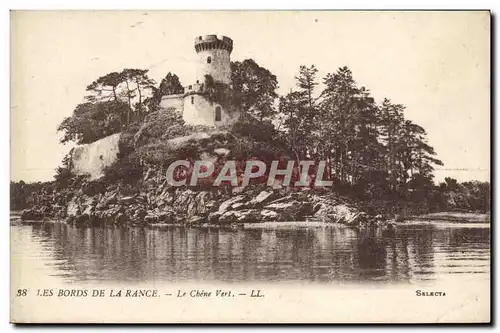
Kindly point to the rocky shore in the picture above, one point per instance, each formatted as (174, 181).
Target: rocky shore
(98, 203)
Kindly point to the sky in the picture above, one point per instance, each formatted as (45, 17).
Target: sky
(435, 63)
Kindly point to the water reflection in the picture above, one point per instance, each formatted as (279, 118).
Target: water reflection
(322, 254)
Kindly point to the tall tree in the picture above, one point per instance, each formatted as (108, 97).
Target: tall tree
(255, 88)
(409, 156)
(293, 107)
(137, 85)
(169, 85)
(349, 134)
(339, 118)
(298, 110)
(307, 82)
(105, 87)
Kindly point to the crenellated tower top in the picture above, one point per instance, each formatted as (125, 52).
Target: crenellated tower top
(213, 42)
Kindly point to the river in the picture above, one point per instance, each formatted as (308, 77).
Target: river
(412, 253)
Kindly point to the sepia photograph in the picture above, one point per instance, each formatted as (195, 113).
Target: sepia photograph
(250, 166)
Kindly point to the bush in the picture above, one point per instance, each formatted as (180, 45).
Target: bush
(161, 126)
(94, 187)
(127, 170)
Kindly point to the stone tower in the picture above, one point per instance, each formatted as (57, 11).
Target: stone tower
(214, 57)
(214, 60)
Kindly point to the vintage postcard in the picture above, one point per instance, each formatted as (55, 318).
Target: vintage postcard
(250, 167)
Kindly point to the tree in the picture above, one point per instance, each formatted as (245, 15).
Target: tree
(293, 107)
(105, 87)
(137, 84)
(93, 121)
(409, 156)
(349, 133)
(391, 120)
(255, 88)
(64, 173)
(338, 117)
(128, 85)
(307, 82)
(298, 111)
(169, 85)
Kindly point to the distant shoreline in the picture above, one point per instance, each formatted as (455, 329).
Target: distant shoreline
(453, 217)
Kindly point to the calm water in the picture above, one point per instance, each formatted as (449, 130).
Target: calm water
(336, 254)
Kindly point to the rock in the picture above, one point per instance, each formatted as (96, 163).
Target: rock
(200, 203)
(31, 214)
(282, 205)
(288, 198)
(227, 204)
(269, 215)
(165, 198)
(338, 213)
(238, 205)
(159, 217)
(126, 200)
(193, 220)
(72, 209)
(213, 217)
(226, 217)
(293, 210)
(240, 216)
(261, 198)
(108, 198)
(182, 200)
(88, 209)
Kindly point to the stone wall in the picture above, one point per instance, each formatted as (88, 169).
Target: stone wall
(199, 111)
(172, 102)
(92, 158)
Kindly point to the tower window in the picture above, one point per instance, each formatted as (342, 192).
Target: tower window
(192, 99)
(218, 113)
(209, 60)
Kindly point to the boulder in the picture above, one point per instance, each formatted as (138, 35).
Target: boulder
(239, 205)
(228, 203)
(213, 217)
(293, 210)
(195, 220)
(269, 215)
(261, 198)
(241, 216)
(337, 213)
